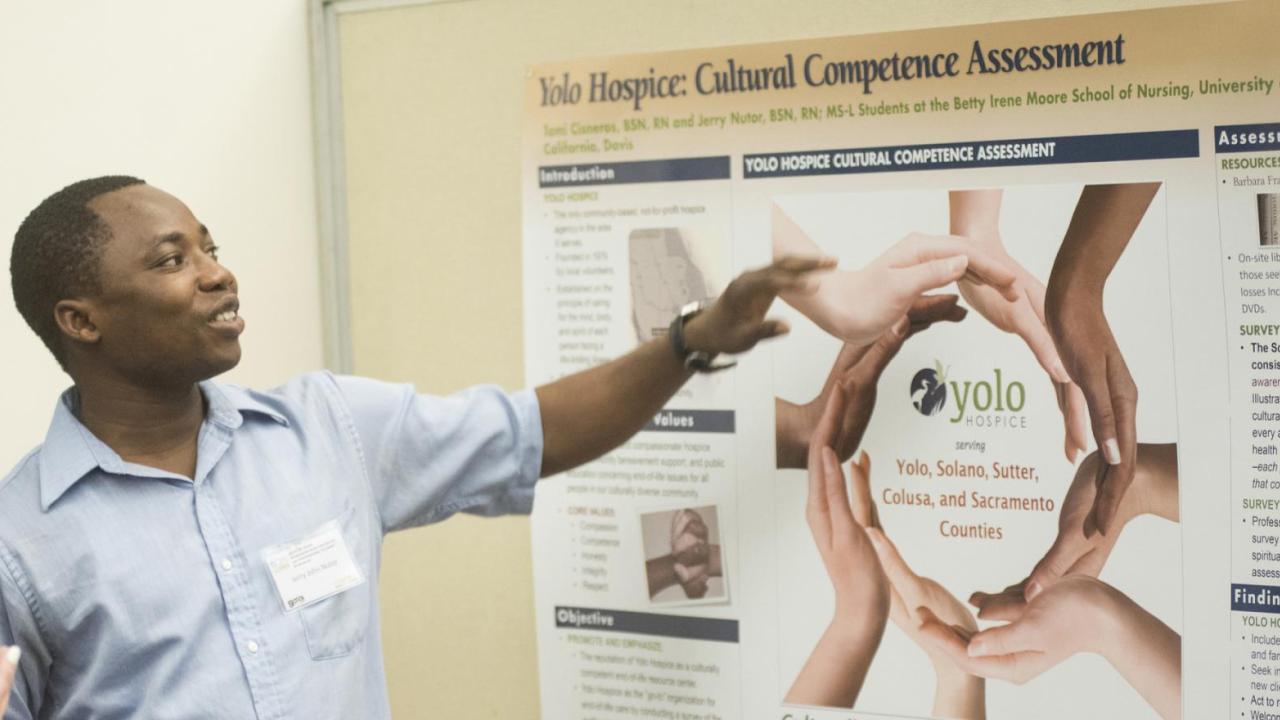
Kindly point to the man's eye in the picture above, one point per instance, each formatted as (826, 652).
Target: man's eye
(213, 252)
(171, 261)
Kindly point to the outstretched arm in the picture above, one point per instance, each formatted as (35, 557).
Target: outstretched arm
(1078, 614)
(1148, 655)
(589, 413)
(1079, 549)
(834, 673)
(858, 305)
(957, 693)
(858, 370)
(975, 215)
(1105, 218)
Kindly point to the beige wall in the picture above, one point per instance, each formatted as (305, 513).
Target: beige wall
(431, 106)
(209, 101)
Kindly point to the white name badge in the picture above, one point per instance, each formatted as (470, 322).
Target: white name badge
(312, 568)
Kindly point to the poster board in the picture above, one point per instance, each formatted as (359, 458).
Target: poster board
(411, 154)
(651, 180)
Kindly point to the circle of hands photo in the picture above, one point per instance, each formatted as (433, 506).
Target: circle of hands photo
(1060, 608)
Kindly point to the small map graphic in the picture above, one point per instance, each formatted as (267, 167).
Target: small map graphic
(663, 278)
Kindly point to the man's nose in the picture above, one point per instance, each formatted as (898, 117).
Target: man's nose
(215, 276)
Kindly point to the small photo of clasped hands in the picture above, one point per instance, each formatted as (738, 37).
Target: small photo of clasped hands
(1054, 638)
(684, 558)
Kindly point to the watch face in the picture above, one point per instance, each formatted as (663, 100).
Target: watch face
(697, 360)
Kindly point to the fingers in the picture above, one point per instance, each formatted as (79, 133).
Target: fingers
(681, 520)
(1075, 415)
(690, 573)
(981, 263)
(876, 357)
(1119, 475)
(842, 522)
(900, 575)
(789, 274)
(1036, 335)
(863, 505)
(8, 669)
(690, 550)
(771, 329)
(864, 464)
(824, 435)
(952, 640)
(696, 588)
(928, 309)
(1090, 524)
(1097, 396)
(1003, 640)
(688, 537)
(1062, 555)
(827, 431)
(816, 508)
(991, 271)
(698, 528)
(1035, 292)
(930, 275)
(800, 264)
(848, 357)
(898, 610)
(1006, 605)
(1090, 563)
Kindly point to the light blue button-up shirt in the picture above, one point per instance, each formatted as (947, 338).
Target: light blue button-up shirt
(137, 593)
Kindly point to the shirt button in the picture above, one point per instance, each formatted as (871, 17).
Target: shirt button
(226, 564)
(253, 646)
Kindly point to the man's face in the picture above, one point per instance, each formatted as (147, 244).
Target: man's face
(168, 312)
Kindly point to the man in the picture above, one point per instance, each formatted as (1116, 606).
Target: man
(178, 548)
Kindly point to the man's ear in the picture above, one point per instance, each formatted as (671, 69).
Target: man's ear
(75, 320)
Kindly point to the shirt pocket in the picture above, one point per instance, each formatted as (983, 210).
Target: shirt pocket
(337, 625)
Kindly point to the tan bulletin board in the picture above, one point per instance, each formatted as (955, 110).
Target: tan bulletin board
(418, 151)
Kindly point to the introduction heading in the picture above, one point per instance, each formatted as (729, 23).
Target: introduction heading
(816, 70)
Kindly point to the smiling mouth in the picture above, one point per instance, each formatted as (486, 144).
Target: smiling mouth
(228, 322)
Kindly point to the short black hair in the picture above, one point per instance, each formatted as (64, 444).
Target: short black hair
(57, 252)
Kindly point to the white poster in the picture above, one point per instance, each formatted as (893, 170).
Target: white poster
(1106, 189)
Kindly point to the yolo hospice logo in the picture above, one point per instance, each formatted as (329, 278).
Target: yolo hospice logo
(981, 403)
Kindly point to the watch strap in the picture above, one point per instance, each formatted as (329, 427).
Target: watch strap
(696, 360)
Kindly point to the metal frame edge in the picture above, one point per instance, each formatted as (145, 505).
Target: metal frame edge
(331, 192)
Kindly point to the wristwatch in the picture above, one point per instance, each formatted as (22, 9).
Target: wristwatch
(696, 360)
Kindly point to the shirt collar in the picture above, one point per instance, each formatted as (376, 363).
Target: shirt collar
(70, 451)
(229, 403)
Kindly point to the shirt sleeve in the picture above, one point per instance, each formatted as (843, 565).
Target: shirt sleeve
(427, 457)
(18, 627)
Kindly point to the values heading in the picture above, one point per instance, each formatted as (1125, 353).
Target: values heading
(817, 70)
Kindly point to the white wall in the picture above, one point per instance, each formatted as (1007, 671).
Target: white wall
(207, 100)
